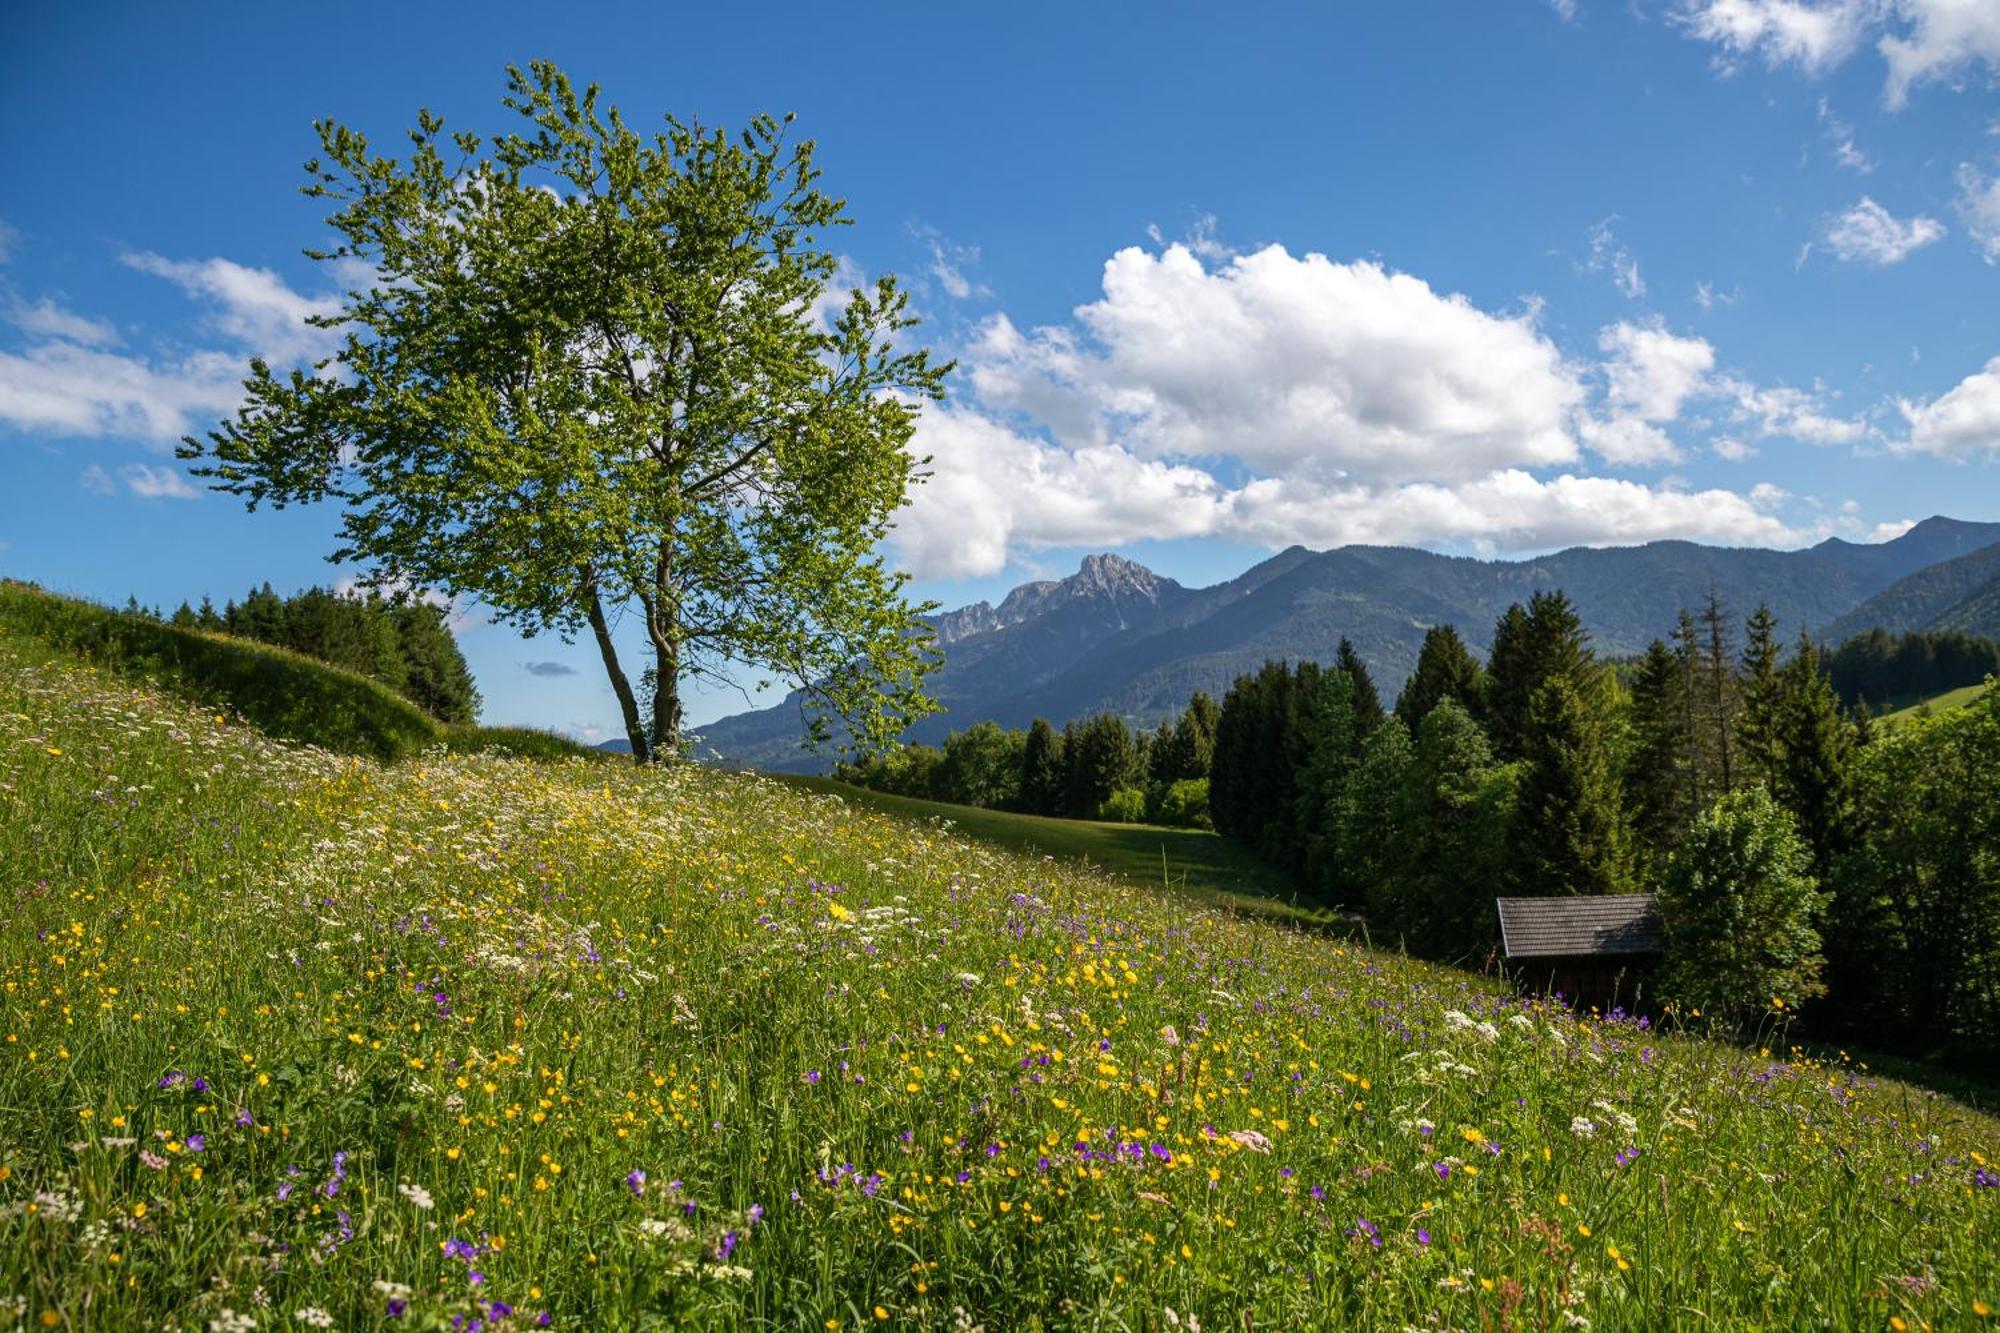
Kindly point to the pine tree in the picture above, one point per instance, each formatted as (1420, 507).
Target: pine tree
(1719, 688)
(184, 616)
(1511, 681)
(1191, 750)
(1042, 778)
(1568, 832)
(1445, 670)
(206, 617)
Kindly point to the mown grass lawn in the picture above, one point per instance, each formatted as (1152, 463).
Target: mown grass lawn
(1192, 861)
(291, 1039)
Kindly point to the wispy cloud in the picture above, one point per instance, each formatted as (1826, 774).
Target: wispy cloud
(548, 669)
(1868, 233)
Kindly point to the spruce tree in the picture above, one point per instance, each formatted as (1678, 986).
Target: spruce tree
(1816, 756)
(1042, 779)
(1328, 718)
(1568, 832)
(1368, 712)
(1532, 647)
(1445, 670)
(1655, 781)
(1511, 681)
(1452, 834)
(1369, 822)
(1757, 720)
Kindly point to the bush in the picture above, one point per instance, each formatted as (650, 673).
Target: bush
(1184, 804)
(1127, 805)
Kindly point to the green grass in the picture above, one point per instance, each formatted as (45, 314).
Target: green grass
(282, 693)
(1202, 864)
(1940, 703)
(288, 1036)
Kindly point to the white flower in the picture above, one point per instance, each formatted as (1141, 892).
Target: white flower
(1582, 1128)
(229, 1321)
(395, 1291)
(314, 1317)
(416, 1194)
(968, 979)
(1457, 1020)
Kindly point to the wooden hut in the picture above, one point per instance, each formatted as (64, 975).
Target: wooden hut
(1591, 950)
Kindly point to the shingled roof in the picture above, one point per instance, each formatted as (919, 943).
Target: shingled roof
(1598, 926)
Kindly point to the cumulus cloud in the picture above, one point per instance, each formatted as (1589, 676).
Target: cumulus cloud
(1979, 209)
(1868, 233)
(1962, 423)
(1290, 363)
(1918, 40)
(1269, 399)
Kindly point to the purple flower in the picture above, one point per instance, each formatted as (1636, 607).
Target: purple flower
(636, 1182)
(727, 1247)
(1423, 1237)
(396, 1307)
(173, 1078)
(1986, 1180)
(1364, 1228)
(756, 1213)
(197, 1142)
(1319, 1191)
(1443, 1169)
(244, 1119)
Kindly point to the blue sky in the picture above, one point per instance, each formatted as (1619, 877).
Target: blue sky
(1493, 277)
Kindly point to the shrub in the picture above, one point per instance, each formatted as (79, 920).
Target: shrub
(1184, 804)
(1126, 805)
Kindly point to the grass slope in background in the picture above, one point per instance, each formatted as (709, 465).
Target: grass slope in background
(1940, 703)
(282, 693)
(293, 1040)
(1206, 865)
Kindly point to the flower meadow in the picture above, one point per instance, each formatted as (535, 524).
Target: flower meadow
(297, 1040)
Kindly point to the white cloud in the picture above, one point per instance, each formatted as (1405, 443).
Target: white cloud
(1565, 9)
(1945, 37)
(1799, 414)
(1289, 364)
(949, 262)
(97, 481)
(460, 615)
(60, 388)
(9, 238)
(1919, 40)
(1813, 36)
(1841, 135)
(256, 308)
(1707, 297)
(157, 483)
(1652, 372)
(1608, 255)
(1889, 531)
(1979, 209)
(1732, 450)
(1961, 423)
(1868, 233)
(66, 381)
(46, 319)
(1270, 399)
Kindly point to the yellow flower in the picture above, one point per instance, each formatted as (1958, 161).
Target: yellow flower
(1982, 1309)
(1583, 1230)
(838, 911)
(880, 1313)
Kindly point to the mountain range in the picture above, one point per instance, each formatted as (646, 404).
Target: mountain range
(1116, 636)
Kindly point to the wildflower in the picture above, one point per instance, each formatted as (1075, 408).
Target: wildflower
(1423, 1237)
(314, 1317)
(1582, 1127)
(416, 1194)
(636, 1182)
(197, 1142)
(152, 1159)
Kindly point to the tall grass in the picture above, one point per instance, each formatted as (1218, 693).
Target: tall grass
(291, 1040)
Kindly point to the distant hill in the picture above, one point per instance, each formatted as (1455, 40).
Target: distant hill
(1116, 636)
(1932, 598)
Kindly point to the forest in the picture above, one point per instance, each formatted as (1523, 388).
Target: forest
(406, 644)
(1802, 854)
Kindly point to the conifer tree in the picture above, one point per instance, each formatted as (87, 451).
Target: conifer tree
(1451, 837)
(1815, 746)
(1445, 670)
(1042, 778)
(1370, 819)
(1757, 720)
(1655, 783)
(1532, 647)
(1568, 832)
(1367, 702)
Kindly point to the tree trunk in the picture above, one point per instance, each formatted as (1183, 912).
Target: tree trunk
(666, 653)
(628, 703)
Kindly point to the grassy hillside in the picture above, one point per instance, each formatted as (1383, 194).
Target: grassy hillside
(282, 693)
(293, 1039)
(1204, 865)
(1937, 704)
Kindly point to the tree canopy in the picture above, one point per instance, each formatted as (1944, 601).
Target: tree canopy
(593, 373)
